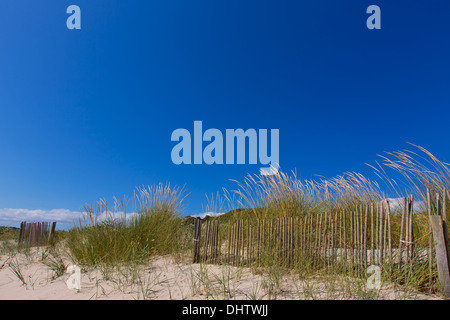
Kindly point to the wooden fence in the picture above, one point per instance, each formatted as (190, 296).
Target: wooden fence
(36, 233)
(361, 237)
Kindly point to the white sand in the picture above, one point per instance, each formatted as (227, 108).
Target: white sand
(165, 278)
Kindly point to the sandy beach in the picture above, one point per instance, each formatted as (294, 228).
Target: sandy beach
(169, 278)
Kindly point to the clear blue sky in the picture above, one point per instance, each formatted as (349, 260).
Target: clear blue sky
(89, 113)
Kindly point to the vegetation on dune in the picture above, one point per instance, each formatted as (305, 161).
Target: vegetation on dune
(284, 195)
(9, 233)
(106, 236)
(114, 235)
(156, 228)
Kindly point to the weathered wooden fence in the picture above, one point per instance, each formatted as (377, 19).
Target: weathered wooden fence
(361, 237)
(439, 232)
(36, 233)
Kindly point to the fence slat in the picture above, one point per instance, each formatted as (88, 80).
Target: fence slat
(35, 233)
(441, 254)
(359, 235)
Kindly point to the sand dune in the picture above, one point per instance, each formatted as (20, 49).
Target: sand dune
(165, 278)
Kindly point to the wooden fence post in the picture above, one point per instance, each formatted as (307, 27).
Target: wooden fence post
(197, 236)
(444, 222)
(430, 240)
(22, 231)
(388, 214)
(441, 254)
(52, 231)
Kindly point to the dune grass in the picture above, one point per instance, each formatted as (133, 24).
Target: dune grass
(111, 236)
(8, 233)
(284, 195)
(114, 235)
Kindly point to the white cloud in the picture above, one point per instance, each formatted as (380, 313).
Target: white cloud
(205, 214)
(396, 205)
(66, 217)
(30, 215)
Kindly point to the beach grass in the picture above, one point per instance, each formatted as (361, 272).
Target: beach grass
(122, 237)
(155, 228)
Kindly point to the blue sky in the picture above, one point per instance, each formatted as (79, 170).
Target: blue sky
(87, 114)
